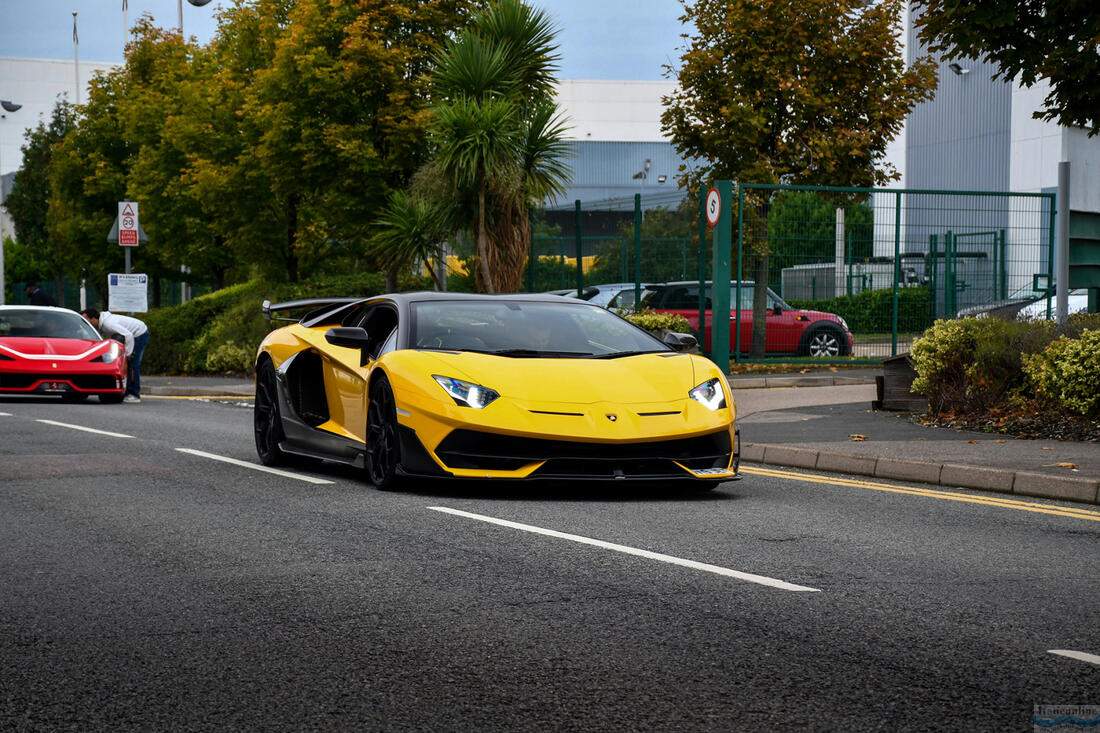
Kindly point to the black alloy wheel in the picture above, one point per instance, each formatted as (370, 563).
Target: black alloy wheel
(383, 448)
(268, 425)
(73, 397)
(825, 342)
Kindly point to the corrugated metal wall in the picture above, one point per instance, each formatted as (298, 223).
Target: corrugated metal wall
(605, 170)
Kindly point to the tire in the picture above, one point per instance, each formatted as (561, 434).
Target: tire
(383, 448)
(266, 420)
(111, 399)
(74, 397)
(825, 341)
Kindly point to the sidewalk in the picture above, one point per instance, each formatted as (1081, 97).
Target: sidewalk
(824, 421)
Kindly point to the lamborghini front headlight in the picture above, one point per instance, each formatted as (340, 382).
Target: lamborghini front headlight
(466, 394)
(709, 394)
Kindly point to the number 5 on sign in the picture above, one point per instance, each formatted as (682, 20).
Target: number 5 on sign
(714, 206)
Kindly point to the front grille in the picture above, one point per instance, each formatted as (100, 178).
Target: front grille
(80, 381)
(472, 449)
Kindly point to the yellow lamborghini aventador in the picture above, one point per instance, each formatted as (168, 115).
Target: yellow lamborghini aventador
(491, 387)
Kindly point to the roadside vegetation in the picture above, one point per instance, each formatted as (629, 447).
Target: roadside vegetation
(1024, 378)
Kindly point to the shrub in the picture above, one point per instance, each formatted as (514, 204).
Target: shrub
(1066, 373)
(872, 311)
(654, 322)
(229, 357)
(972, 364)
(221, 331)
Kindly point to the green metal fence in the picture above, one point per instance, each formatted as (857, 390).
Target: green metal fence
(891, 261)
(882, 264)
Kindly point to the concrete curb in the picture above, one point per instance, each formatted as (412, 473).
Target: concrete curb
(1019, 483)
(795, 380)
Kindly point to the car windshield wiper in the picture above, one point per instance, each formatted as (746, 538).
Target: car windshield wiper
(537, 354)
(618, 354)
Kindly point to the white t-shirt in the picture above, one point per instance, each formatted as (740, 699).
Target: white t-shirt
(125, 326)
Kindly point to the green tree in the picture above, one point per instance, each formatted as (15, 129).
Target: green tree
(411, 229)
(806, 92)
(339, 115)
(1052, 40)
(36, 253)
(87, 175)
(498, 137)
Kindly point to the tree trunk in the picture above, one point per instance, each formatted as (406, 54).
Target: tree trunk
(760, 307)
(483, 242)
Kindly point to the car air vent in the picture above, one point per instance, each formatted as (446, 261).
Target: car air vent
(548, 412)
(655, 414)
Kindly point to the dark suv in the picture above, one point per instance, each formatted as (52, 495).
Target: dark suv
(789, 330)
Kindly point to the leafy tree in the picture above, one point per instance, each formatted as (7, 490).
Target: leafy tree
(498, 137)
(806, 92)
(802, 230)
(87, 174)
(339, 114)
(37, 253)
(1051, 40)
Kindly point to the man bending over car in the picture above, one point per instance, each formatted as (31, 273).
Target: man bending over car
(134, 334)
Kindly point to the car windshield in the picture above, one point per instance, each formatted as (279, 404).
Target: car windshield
(33, 323)
(527, 329)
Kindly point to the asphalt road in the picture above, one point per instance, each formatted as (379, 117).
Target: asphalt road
(144, 587)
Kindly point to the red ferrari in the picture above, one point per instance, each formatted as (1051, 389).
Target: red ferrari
(54, 351)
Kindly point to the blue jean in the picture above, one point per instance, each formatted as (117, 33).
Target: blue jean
(133, 382)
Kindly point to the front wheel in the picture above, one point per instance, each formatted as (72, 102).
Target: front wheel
(267, 423)
(383, 448)
(825, 342)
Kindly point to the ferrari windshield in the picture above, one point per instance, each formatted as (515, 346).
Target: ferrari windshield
(527, 329)
(36, 323)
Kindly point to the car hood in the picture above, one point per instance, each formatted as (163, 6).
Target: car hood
(48, 347)
(645, 378)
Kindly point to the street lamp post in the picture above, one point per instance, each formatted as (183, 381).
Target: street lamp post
(7, 107)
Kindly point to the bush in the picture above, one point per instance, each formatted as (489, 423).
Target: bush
(654, 322)
(221, 331)
(971, 364)
(872, 311)
(1066, 373)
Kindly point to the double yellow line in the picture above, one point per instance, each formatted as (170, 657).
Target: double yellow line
(995, 501)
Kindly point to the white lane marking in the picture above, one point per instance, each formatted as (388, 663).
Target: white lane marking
(761, 579)
(1082, 656)
(5, 414)
(254, 466)
(86, 430)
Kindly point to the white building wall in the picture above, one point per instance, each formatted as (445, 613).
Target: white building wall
(36, 84)
(622, 111)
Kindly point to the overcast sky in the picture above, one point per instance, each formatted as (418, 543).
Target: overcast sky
(599, 39)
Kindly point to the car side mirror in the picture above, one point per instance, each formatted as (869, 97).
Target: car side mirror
(350, 338)
(777, 310)
(679, 341)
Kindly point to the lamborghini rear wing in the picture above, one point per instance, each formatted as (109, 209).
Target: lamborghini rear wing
(311, 305)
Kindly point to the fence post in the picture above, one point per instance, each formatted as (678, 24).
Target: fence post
(580, 248)
(637, 250)
(1061, 279)
(701, 335)
(933, 272)
(897, 273)
(949, 274)
(530, 254)
(838, 260)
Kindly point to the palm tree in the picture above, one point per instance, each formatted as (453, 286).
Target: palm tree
(499, 139)
(410, 229)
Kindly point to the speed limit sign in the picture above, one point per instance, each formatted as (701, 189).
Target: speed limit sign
(714, 206)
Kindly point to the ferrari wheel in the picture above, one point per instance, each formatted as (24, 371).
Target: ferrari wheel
(111, 399)
(383, 449)
(267, 423)
(74, 397)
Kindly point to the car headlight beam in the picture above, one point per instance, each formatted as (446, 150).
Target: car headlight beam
(466, 394)
(709, 394)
